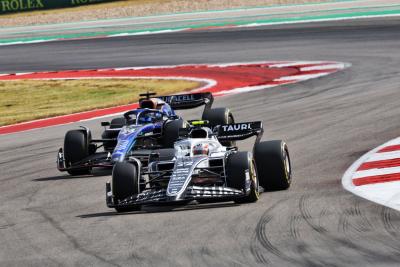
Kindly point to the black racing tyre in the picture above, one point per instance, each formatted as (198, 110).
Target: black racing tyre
(109, 145)
(117, 123)
(125, 183)
(171, 132)
(107, 134)
(239, 166)
(163, 154)
(76, 148)
(273, 165)
(218, 116)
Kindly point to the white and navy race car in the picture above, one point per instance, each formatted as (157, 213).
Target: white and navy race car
(199, 168)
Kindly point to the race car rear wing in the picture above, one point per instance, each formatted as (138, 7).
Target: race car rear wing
(188, 101)
(239, 131)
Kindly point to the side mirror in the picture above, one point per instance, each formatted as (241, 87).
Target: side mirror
(105, 123)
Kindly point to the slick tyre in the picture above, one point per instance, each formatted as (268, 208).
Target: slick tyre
(218, 116)
(76, 148)
(162, 154)
(109, 145)
(171, 132)
(125, 183)
(242, 175)
(117, 123)
(273, 165)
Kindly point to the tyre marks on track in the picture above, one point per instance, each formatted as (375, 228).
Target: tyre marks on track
(294, 226)
(390, 219)
(352, 219)
(261, 245)
(69, 238)
(333, 232)
(387, 215)
(306, 215)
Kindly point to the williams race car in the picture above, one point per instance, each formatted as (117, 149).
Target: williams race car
(152, 126)
(201, 169)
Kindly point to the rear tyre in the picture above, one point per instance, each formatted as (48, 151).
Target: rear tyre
(242, 175)
(109, 145)
(76, 148)
(125, 183)
(171, 132)
(218, 116)
(273, 165)
(163, 154)
(117, 123)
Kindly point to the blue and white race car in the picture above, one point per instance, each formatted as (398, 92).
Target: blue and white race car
(152, 126)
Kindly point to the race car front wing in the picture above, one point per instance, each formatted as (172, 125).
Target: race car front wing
(148, 197)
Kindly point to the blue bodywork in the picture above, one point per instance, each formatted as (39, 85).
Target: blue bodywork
(146, 122)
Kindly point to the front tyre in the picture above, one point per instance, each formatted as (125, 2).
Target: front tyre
(125, 183)
(241, 174)
(76, 148)
(273, 165)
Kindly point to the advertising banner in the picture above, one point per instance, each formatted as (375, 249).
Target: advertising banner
(10, 6)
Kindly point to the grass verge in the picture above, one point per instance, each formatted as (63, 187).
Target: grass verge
(27, 100)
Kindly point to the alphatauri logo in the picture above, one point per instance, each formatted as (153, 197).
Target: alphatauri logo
(236, 127)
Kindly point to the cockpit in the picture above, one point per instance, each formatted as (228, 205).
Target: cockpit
(200, 133)
(143, 116)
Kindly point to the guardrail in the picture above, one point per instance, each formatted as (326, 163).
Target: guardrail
(12, 6)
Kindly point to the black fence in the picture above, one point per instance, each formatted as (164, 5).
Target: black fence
(11, 6)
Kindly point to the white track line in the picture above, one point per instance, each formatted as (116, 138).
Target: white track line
(384, 156)
(302, 77)
(375, 172)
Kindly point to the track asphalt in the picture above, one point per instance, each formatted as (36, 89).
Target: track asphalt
(48, 218)
(244, 17)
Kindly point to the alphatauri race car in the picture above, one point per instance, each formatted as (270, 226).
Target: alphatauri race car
(201, 169)
(153, 125)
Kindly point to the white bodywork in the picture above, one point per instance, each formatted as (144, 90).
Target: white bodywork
(186, 148)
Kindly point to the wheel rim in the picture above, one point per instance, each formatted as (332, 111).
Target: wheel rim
(254, 178)
(288, 167)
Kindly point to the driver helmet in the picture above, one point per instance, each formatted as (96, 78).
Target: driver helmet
(200, 149)
(149, 117)
(145, 119)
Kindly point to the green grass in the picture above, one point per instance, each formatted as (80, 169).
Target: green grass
(27, 100)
